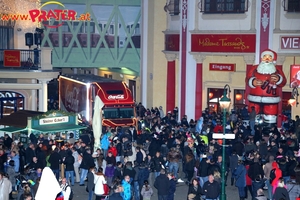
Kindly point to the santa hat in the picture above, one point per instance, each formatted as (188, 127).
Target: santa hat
(271, 53)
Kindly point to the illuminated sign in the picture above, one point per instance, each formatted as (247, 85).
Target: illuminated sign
(223, 43)
(54, 120)
(40, 15)
(119, 96)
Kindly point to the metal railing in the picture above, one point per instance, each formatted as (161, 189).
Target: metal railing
(29, 59)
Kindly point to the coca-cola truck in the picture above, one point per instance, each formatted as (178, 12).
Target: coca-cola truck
(77, 94)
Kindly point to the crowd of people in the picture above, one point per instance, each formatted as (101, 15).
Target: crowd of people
(171, 149)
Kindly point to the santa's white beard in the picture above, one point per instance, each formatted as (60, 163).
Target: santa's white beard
(266, 68)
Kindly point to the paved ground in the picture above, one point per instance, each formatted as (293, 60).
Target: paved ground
(180, 194)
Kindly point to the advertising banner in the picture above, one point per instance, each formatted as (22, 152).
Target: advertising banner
(12, 58)
(172, 42)
(295, 76)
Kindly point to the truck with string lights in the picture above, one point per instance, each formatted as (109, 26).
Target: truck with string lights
(77, 93)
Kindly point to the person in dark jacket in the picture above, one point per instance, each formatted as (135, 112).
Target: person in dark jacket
(118, 173)
(240, 179)
(172, 187)
(211, 188)
(86, 163)
(203, 169)
(233, 164)
(259, 183)
(90, 183)
(255, 169)
(281, 192)
(29, 153)
(158, 161)
(162, 184)
(116, 195)
(69, 163)
(194, 190)
(189, 165)
(54, 161)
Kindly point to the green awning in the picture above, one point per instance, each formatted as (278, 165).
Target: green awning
(12, 129)
(58, 128)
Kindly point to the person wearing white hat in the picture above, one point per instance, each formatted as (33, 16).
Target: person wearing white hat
(264, 81)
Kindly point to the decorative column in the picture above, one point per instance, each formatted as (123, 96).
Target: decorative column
(249, 60)
(199, 86)
(183, 52)
(279, 63)
(43, 95)
(171, 81)
(33, 96)
(264, 25)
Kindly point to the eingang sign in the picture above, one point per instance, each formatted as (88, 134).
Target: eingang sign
(40, 15)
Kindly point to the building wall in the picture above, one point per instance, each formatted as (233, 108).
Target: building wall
(280, 22)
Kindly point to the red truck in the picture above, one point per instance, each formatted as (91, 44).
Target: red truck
(77, 94)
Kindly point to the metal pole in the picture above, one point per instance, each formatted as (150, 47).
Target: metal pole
(223, 195)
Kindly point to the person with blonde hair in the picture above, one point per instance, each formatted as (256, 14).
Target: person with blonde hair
(281, 191)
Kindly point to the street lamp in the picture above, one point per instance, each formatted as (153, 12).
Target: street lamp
(294, 98)
(224, 104)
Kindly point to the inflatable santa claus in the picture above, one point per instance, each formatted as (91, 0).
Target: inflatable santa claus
(264, 81)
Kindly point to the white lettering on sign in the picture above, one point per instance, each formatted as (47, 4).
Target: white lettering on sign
(72, 98)
(54, 120)
(119, 96)
(290, 42)
(221, 67)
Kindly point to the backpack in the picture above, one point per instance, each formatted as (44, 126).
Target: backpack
(272, 175)
(71, 193)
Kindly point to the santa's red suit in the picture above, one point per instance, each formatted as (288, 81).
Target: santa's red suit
(265, 96)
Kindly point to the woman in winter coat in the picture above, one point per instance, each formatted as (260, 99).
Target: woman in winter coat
(240, 179)
(189, 165)
(195, 189)
(99, 180)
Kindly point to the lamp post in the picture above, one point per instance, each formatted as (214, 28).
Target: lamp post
(224, 104)
(294, 98)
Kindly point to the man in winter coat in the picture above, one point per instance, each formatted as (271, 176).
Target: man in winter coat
(173, 157)
(211, 188)
(86, 164)
(162, 185)
(240, 179)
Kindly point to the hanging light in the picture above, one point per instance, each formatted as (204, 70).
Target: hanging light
(238, 96)
(211, 95)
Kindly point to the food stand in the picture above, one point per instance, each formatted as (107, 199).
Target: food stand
(51, 122)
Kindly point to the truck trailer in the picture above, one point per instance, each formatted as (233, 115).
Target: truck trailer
(77, 93)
